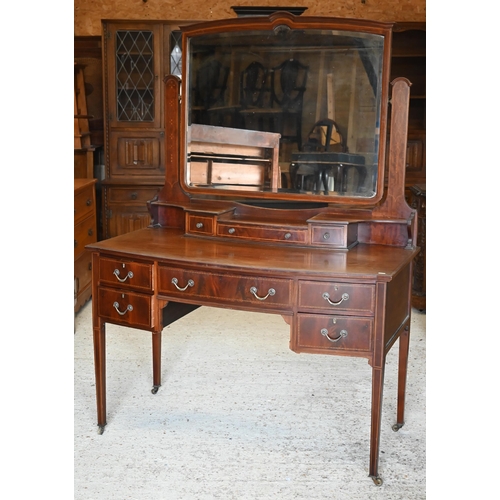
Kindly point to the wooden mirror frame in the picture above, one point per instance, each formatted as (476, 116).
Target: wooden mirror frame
(275, 22)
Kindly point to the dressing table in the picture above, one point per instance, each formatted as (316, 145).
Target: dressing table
(337, 267)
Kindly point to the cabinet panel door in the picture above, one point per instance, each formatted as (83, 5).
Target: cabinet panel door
(126, 208)
(133, 78)
(136, 153)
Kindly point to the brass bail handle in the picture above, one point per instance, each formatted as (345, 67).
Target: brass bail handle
(342, 334)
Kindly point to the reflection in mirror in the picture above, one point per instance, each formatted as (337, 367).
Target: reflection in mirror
(284, 111)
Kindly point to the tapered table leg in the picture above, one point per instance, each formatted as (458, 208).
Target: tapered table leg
(377, 392)
(156, 342)
(404, 347)
(100, 371)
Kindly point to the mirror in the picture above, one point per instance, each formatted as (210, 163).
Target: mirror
(285, 110)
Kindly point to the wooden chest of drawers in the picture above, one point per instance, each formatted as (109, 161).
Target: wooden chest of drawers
(85, 232)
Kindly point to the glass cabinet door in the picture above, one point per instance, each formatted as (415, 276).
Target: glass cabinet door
(134, 83)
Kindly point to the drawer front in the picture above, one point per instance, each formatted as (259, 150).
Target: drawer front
(200, 224)
(84, 204)
(224, 288)
(342, 297)
(85, 233)
(333, 236)
(83, 270)
(132, 195)
(284, 235)
(125, 274)
(333, 333)
(125, 308)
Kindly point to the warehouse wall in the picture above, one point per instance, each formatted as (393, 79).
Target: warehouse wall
(88, 13)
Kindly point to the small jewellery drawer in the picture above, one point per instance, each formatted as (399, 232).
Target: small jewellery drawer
(200, 224)
(225, 288)
(317, 331)
(125, 274)
(84, 234)
(262, 233)
(346, 297)
(125, 308)
(335, 236)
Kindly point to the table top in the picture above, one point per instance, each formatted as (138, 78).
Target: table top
(368, 262)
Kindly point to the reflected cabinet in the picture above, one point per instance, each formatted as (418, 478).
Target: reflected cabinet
(284, 154)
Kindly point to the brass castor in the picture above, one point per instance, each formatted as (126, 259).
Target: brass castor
(396, 427)
(155, 388)
(377, 480)
(100, 429)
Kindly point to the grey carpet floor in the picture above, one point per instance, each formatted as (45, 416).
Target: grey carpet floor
(240, 416)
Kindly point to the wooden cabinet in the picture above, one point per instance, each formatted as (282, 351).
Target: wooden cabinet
(416, 199)
(136, 58)
(409, 61)
(85, 232)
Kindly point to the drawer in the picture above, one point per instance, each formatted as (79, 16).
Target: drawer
(132, 194)
(200, 224)
(332, 333)
(85, 233)
(83, 270)
(125, 308)
(225, 288)
(125, 274)
(344, 297)
(262, 233)
(335, 236)
(84, 204)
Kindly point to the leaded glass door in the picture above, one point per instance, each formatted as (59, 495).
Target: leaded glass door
(135, 89)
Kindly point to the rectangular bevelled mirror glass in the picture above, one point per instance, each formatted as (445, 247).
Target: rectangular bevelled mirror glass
(293, 113)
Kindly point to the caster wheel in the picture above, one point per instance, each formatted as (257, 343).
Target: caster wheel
(396, 427)
(377, 480)
(155, 388)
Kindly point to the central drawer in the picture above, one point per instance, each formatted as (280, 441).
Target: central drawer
(225, 288)
(231, 229)
(344, 297)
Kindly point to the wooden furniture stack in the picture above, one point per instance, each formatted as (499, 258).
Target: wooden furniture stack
(84, 150)
(336, 267)
(85, 232)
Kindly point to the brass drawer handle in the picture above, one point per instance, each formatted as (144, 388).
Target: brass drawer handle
(342, 334)
(116, 272)
(117, 306)
(326, 296)
(175, 281)
(271, 292)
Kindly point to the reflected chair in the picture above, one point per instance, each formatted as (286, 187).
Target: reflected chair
(288, 84)
(272, 100)
(209, 100)
(325, 152)
(255, 97)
